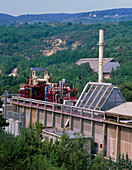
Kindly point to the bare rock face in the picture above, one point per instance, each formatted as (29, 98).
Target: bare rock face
(13, 73)
(55, 44)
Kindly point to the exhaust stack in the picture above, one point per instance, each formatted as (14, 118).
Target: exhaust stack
(101, 46)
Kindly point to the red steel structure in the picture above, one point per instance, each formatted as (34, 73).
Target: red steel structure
(42, 89)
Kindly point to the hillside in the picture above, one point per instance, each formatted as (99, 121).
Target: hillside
(105, 16)
(57, 46)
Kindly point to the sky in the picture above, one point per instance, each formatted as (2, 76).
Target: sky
(19, 7)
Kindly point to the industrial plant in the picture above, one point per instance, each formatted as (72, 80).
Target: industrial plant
(100, 113)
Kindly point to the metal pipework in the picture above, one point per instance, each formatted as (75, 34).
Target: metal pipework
(101, 46)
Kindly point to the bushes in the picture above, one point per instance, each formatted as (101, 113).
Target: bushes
(28, 152)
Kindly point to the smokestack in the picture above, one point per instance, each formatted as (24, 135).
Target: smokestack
(101, 46)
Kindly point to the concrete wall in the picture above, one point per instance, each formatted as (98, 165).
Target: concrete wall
(27, 116)
(111, 141)
(98, 135)
(126, 141)
(76, 124)
(11, 108)
(41, 116)
(34, 115)
(57, 120)
(87, 127)
(49, 118)
(110, 137)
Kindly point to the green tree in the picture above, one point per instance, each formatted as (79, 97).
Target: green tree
(3, 121)
(126, 90)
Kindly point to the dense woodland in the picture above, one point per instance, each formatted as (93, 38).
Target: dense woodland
(27, 46)
(27, 151)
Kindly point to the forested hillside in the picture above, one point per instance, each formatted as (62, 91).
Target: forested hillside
(57, 46)
(105, 16)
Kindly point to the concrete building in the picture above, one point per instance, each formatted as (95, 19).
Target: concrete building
(119, 132)
(16, 121)
(110, 131)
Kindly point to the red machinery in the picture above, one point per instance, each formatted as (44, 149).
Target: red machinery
(42, 89)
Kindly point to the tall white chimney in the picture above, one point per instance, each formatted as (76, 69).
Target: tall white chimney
(101, 46)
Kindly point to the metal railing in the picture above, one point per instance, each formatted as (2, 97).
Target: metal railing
(57, 107)
(61, 108)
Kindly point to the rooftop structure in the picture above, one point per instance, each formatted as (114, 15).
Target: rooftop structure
(58, 132)
(53, 134)
(108, 64)
(100, 96)
(124, 109)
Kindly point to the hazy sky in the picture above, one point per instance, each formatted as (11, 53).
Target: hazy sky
(18, 7)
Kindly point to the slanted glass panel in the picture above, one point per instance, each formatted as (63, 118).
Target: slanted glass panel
(104, 88)
(100, 96)
(97, 99)
(110, 88)
(93, 86)
(93, 97)
(103, 99)
(87, 95)
(99, 87)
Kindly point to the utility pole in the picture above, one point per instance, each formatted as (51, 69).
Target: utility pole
(5, 102)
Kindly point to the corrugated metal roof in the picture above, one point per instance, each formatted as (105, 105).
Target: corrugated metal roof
(124, 109)
(94, 62)
(109, 66)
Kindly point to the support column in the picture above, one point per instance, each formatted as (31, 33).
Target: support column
(38, 114)
(62, 121)
(37, 104)
(104, 138)
(92, 129)
(45, 119)
(71, 123)
(81, 125)
(92, 126)
(17, 108)
(24, 117)
(117, 141)
(31, 115)
(92, 133)
(61, 108)
(53, 119)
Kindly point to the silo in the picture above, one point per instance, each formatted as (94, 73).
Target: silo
(7, 127)
(13, 128)
(17, 127)
(10, 125)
